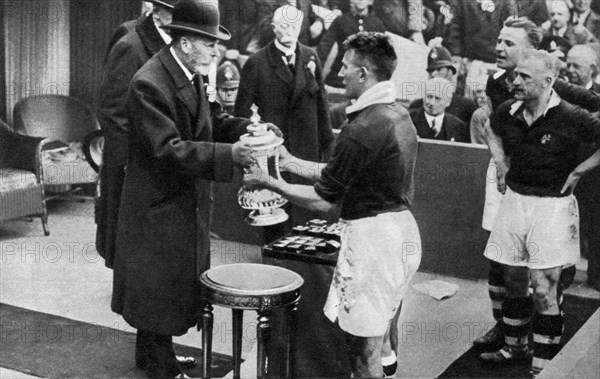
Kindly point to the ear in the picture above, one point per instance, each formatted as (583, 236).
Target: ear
(363, 74)
(184, 43)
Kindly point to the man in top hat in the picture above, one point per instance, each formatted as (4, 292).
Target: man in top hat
(124, 59)
(439, 65)
(176, 147)
(228, 82)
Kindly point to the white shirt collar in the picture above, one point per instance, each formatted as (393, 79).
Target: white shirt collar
(165, 36)
(187, 72)
(589, 85)
(554, 101)
(439, 120)
(498, 74)
(560, 32)
(287, 51)
(380, 93)
(583, 16)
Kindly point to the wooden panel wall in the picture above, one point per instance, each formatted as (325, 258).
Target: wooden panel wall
(92, 24)
(36, 48)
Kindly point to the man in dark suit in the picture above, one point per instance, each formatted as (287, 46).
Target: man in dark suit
(581, 65)
(575, 34)
(165, 211)
(583, 14)
(124, 59)
(284, 80)
(439, 65)
(432, 121)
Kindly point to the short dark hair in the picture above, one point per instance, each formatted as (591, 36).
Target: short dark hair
(534, 33)
(377, 49)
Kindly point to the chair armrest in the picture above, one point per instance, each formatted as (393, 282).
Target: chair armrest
(22, 152)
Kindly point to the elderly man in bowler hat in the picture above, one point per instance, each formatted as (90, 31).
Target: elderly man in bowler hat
(178, 144)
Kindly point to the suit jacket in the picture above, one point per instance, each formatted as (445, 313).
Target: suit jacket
(575, 34)
(119, 33)
(125, 58)
(592, 23)
(460, 107)
(164, 219)
(294, 102)
(473, 31)
(595, 87)
(453, 129)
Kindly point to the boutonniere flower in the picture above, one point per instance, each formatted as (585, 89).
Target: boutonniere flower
(312, 65)
(487, 5)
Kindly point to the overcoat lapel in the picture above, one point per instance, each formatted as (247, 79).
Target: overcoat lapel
(185, 89)
(281, 70)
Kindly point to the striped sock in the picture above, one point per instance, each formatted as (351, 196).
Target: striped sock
(547, 332)
(517, 316)
(496, 289)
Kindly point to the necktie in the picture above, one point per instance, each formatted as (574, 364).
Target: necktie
(196, 83)
(290, 62)
(433, 127)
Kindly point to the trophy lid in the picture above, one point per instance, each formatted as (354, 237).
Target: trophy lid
(258, 135)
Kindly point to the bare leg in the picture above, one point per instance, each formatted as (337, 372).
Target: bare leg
(365, 356)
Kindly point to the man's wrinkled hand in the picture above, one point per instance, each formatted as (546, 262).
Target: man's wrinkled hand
(275, 129)
(571, 182)
(242, 154)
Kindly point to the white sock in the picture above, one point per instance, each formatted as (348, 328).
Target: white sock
(389, 360)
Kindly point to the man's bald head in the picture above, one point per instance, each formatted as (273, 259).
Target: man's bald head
(582, 64)
(287, 22)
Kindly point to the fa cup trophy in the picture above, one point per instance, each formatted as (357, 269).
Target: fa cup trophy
(265, 204)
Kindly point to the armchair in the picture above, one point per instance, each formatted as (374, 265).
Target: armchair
(21, 184)
(66, 123)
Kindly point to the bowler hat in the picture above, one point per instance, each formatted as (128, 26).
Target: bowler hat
(439, 57)
(165, 3)
(198, 17)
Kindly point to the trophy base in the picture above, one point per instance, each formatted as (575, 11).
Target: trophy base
(266, 218)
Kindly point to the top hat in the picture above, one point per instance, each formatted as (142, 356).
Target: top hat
(439, 57)
(166, 3)
(198, 17)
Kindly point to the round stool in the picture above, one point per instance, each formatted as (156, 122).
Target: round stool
(257, 287)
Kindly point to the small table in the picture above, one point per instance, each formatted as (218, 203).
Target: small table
(248, 286)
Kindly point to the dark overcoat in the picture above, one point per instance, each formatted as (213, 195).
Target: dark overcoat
(164, 217)
(125, 58)
(295, 102)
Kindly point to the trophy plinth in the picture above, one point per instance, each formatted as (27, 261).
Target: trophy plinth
(265, 204)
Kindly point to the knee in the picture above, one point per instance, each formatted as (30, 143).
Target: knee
(543, 298)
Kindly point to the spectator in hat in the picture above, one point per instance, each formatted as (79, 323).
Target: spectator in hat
(431, 119)
(228, 82)
(178, 144)
(559, 25)
(439, 65)
(558, 47)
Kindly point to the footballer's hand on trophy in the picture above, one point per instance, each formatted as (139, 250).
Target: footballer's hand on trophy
(256, 177)
(274, 129)
(242, 154)
(285, 159)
